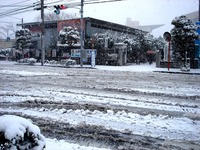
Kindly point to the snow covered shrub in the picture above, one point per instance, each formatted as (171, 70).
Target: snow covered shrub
(67, 62)
(183, 36)
(53, 62)
(23, 40)
(68, 36)
(30, 61)
(70, 62)
(17, 133)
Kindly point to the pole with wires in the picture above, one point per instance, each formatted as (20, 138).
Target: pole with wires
(82, 38)
(42, 33)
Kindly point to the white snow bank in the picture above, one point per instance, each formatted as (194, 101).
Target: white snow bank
(132, 68)
(161, 126)
(135, 68)
(26, 73)
(54, 144)
(141, 68)
(15, 128)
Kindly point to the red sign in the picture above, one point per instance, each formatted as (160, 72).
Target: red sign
(74, 23)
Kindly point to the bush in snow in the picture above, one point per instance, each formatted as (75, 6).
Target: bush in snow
(23, 40)
(70, 62)
(183, 37)
(68, 36)
(137, 45)
(30, 61)
(17, 133)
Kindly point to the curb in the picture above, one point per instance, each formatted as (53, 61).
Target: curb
(171, 72)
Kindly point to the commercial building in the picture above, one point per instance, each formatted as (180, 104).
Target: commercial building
(91, 26)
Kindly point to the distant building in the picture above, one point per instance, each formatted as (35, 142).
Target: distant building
(6, 48)
(6, 43)
(146, 28)
(91, 26)
(193, 16)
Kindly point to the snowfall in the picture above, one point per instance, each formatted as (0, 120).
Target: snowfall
(155, 90)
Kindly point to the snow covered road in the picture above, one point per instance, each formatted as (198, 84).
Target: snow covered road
(105, 109)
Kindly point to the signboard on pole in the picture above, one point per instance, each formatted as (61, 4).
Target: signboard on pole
(84, 55)
(92, 58)
(167, 37)
(76, 53)
(53, 52)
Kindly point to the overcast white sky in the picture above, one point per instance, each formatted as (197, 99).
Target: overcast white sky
(147, 12)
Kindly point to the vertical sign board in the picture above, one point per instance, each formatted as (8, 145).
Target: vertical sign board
(37, 53)
(77, 52)
(87, 53)
(53, 52)
(92, 58)
(13, 53)
(167, 37)
(84, 55)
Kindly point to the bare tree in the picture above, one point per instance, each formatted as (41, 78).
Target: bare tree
(8, 30)
(52, 16)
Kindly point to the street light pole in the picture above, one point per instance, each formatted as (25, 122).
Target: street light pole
(82, 38)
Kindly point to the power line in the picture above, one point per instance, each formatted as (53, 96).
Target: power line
(21, 8)
(18, 10)
(8, 22)
(15, 11)
(15, 4)
(76, 4)
(105, 1)
(17, 7)
(30, 7)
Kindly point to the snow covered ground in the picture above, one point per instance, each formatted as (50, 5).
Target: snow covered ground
(130, 102)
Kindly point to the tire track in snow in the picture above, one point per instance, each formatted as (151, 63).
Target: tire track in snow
(104, 101)
(99, 136)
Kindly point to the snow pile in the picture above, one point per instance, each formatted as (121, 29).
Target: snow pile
(19, 133)
(30, 61)
(54, 144)
(27, 73)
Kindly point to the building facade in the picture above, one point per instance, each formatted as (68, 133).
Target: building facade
(91, 26)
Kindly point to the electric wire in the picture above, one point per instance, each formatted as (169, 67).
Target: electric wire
(15, 11)
(17, 4)
(30, 7)
(75, 4)
(106, 1)
(18, 10)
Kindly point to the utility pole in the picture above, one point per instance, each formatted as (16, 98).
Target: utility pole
(82, 38)
(22, 23)
(42, 33)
